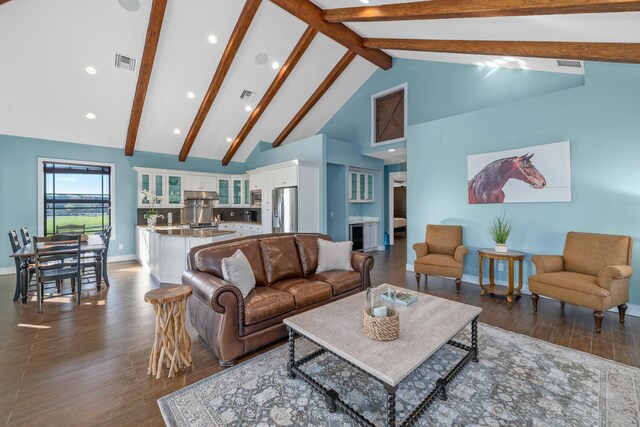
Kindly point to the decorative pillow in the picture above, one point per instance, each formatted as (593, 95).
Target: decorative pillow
(237, 271)
(334, 256)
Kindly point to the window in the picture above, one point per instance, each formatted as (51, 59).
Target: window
(75, 194)
(389, 115)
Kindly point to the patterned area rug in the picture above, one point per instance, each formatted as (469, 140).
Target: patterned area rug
(519, 381)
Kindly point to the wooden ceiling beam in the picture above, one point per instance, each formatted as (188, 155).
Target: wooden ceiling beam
(283, 74)
(313, 16)
(315, 97)
(237, 36)
(450, 9)
(144, 75)
(604, 52)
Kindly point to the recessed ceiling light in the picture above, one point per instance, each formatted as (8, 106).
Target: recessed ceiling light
(229, 139)
(510, 59)
(191, 95)
(391, 150)
(212, 39)
(275, 65)
(177, 131)
(364, 1)
(248, 108)
(91, 70)
(90, 116)
(500, 61)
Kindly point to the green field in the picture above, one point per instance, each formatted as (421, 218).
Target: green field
(92, 223)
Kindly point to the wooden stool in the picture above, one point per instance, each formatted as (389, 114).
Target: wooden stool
(172, 345)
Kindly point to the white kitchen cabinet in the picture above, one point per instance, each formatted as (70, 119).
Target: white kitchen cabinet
(361, 187)
(284, 177)
(258, 181)
(370, 236)
(209, 183)
(158, 184)
(174, 191)
(224, 192)
(246, 192)
(236, 192)
(200, 183)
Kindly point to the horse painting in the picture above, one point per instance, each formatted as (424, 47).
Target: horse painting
(486, 186)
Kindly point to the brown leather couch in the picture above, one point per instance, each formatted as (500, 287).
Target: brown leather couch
(284, 266)
(441, 254)
(593, 271)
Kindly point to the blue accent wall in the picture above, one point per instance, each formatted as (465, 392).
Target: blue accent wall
(437, 90)
(19, 190)
(601, 119)
(337, 222)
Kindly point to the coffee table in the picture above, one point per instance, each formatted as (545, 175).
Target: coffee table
(425, 326)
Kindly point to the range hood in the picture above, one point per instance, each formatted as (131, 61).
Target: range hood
(201, 195)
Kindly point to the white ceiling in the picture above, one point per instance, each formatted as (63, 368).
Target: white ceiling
(46, 45)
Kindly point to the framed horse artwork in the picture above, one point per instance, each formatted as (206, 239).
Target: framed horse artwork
(532, 174)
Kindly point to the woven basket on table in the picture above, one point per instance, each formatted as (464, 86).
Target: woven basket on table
(382, 328)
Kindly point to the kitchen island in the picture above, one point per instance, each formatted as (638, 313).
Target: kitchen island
(163, 250)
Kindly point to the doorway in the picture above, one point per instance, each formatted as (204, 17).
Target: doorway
(397, 206)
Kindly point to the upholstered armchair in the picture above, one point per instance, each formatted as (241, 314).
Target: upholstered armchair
(441, 254)
(593, 271)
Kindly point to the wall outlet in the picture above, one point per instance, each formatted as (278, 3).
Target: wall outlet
(231, 213)
(500, 266)
(120, 247)
(331, 214)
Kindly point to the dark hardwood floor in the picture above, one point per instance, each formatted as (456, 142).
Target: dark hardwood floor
(87, 365)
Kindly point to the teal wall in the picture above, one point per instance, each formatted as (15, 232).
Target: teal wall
(337, 223)
(602, 121)
(19, 190)
(437, 90)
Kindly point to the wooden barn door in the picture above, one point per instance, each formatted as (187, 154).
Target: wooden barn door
(390, 116)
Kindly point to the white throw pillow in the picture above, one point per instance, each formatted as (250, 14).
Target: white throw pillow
(237, 271)
(334, 256)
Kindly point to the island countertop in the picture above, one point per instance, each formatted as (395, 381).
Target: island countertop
(192, 232)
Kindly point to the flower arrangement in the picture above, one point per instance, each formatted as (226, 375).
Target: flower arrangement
(500, 231)
(152, 201)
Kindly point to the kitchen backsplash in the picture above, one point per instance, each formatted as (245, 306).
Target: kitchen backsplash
(228, 214)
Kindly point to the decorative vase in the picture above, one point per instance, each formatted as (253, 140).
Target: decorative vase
(151, 221)
(501, 247)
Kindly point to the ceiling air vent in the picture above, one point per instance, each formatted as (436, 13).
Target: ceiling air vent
(568, 63)
(246, 95)
(125, 62)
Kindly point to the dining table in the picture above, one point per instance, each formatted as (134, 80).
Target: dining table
(93, 245)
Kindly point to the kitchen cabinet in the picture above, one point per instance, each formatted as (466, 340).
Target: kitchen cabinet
(361, 187)
(370, 236)
(209, 183)
(175, 194)
(258, 181)
(167, 187)
(284, 177)
(236, 184)
(223, 192)
(246, 192)
(200, 183)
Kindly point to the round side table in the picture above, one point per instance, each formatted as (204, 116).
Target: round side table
(172, 344)
(512, 257)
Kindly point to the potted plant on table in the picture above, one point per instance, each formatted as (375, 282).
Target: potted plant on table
(500, 230)
(152, 200)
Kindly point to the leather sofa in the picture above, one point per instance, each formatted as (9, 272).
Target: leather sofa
(284, 266)
(593, 271)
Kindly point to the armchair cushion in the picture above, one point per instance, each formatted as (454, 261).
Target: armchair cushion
(421, 249)
(443, 239)
(577, 282)
(613, 272)
(548, 263)
(264, 303)
(439, 260)
(589, 253)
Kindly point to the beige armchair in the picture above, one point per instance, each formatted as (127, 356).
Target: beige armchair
(442, 253)
(593, 271)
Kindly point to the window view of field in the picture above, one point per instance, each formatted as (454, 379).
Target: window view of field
(77, 200)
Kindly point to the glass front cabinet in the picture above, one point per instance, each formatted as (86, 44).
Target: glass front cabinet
(174, 191)
(247, 192)
(223, 191)
(237, 192)
(361, 187)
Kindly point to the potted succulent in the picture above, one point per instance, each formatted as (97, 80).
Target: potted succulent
(151, 215)
(500, 230)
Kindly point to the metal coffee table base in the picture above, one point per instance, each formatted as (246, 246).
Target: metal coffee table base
(334, 402)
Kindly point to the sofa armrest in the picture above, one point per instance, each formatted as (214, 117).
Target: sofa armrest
(362, 263)
(461, 251)
(211, 290)
(548, 263)
(611, 273)
(421, 249)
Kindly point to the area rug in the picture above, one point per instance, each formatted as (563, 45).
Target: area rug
(519, 381)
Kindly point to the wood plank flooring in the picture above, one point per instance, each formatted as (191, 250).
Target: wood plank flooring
(87, 365)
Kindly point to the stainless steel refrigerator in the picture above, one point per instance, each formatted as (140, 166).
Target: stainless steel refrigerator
(285, 210)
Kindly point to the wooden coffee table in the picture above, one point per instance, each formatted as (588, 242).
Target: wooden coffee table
(425, 326)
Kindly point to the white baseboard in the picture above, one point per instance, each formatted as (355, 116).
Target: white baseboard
(120, 258)
(632, 309)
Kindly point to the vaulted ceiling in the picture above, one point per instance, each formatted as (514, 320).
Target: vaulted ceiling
(46, 45)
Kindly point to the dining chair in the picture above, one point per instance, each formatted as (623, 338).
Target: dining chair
(90, 261)
(57, 258)
(26, 236)
(106, 238)
(15, 247)
(71, 229)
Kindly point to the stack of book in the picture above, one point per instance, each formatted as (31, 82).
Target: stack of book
(399, 297)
